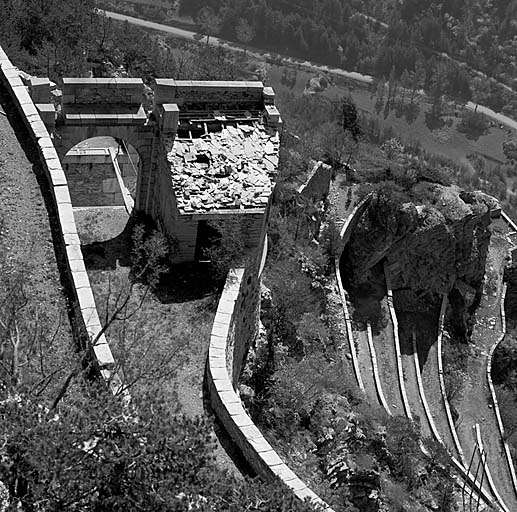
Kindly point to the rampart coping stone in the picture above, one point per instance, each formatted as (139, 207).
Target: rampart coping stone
(10, 77)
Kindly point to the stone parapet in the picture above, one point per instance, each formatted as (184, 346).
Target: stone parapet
(69, 238)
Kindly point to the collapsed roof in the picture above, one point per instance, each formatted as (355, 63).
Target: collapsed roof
(230, 166)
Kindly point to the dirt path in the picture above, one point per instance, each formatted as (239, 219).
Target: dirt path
(474, 404)
(26, 242)
(385, 347)
(431, 384)
(365, 365)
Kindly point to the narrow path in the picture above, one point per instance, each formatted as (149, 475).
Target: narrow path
(431, 384)
(384, 343)
(365, 365)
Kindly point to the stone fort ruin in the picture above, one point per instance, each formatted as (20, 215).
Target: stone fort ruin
(205, 151)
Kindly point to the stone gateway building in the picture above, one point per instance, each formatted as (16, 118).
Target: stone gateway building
(207, 150)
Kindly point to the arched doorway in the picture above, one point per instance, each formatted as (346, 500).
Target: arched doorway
(102, 175)
(102, 171)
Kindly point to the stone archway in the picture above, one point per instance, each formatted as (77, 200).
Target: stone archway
(96, 107)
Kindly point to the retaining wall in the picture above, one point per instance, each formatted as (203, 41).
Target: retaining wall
(71, 245)
(493, 394)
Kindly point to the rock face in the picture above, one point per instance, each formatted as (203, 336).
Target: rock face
(428, 249)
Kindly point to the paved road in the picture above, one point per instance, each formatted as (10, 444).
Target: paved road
(215, 41)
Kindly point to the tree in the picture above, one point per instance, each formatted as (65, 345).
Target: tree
(100, 454)
(244, 32)
(350, 118)
(209, 22)
(379, 97)
(473, 124)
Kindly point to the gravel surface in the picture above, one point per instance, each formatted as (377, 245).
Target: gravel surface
(26, 237)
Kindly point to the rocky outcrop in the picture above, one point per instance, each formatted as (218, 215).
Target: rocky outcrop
(438, 247)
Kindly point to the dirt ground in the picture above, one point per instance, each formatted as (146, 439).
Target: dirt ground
(163, 344)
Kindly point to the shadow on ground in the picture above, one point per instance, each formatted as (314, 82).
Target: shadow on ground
(181, 283)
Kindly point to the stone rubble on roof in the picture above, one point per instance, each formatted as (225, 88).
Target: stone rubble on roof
(231, 169)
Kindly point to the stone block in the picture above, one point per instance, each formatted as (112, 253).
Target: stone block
(30, 110)
(307, 493)
(73, 252)
(40, 89)
(284, 473)
(80, 280)
(251, 432)
(217, 362)
(39, 129)
(223, 318)
(90, 316)
(71, 239)
(57, 174)
(10, 72)
(170, 115)
(260, 445)
(242, 420)
(77, 265)
(220, 330)
(226, 306)
(220, 373)
(223, 385)
(235, 408)
(65, 212)
(296, 484)
(103, 354)
(229, 397)
(22, 96)
(85, 296)
(47, 143)
(271, 458)
(269, 96)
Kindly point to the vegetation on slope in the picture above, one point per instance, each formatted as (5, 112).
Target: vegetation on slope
(444, 48)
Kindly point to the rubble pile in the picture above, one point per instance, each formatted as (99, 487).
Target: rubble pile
(230, 169)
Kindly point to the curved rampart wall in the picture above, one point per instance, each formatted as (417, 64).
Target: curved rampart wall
(234, 329)
(71, 245)
(350, 224)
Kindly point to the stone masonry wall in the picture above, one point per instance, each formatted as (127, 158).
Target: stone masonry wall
(108, 91)
(70, 243)
(317, 186)
(213, 95)
(92, 181)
